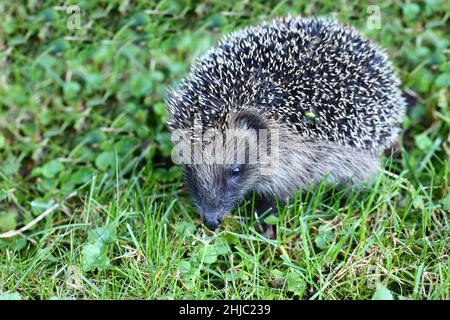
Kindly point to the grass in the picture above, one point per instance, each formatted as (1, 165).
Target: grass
(82, 131)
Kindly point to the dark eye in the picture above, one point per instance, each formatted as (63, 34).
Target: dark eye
(236, 170)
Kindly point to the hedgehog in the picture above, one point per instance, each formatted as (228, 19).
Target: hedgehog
(312, 98)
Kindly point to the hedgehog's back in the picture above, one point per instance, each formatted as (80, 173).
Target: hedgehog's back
(321, 79)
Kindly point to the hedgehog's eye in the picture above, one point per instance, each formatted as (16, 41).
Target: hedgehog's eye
(236, 170)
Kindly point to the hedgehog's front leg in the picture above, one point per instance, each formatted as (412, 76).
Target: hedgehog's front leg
(264, 208)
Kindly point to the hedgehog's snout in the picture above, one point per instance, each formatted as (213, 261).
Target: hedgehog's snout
(212, 220)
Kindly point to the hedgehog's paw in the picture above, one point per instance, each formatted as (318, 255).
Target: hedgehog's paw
(264, 209)
(268, 230)
(252, 219)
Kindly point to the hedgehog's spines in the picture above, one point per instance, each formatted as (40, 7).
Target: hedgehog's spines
(295, 70)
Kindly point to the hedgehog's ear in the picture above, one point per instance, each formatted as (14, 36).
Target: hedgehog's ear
(251, 119)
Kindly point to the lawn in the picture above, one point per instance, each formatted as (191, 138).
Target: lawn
(91, 206)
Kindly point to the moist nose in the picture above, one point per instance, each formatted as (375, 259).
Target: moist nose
(212, 222)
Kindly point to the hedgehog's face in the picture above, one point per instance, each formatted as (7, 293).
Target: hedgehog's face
(227, 167)
(218, 188)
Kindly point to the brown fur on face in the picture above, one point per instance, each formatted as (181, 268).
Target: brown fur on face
(214, 185)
